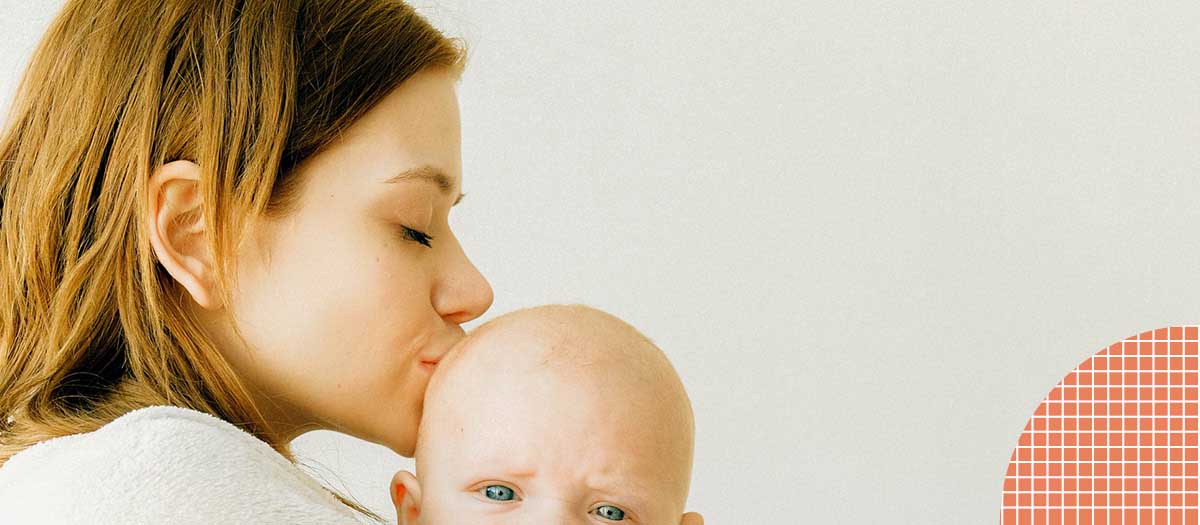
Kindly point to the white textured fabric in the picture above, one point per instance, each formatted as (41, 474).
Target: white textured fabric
(162, 465)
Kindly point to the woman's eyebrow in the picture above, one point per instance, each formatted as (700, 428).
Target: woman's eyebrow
(429, 174)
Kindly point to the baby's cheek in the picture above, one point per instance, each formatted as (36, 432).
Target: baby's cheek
(435, 512)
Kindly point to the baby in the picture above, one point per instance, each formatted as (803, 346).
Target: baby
(558, 414)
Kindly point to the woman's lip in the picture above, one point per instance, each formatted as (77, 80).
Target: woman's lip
(435, 352)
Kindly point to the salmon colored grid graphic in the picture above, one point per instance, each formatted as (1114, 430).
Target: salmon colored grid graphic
(1114, 441)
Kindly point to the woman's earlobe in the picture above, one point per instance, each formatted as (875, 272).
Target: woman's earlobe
(178, 234)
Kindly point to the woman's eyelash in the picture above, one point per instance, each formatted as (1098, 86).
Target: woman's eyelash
(418, 236)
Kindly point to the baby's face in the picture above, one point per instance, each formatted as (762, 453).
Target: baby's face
(508, 439)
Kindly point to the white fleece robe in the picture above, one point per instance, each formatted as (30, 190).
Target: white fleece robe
(162, 464)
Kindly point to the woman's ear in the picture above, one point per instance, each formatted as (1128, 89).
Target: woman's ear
(177, 231)
(691, 518)
(406, 497)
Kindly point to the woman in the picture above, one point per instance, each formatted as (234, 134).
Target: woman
(238, 209)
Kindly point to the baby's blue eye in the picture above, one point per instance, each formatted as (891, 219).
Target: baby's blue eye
(498, 493)
(610, 512)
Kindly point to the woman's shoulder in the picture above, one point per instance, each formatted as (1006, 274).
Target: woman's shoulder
(162, 464)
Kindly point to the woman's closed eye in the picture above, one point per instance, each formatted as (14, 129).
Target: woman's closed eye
(417, 236)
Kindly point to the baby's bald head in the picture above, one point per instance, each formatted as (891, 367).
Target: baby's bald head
(566, 388)
(568, 339)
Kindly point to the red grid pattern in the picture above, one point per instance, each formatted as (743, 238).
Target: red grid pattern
(1114, 441)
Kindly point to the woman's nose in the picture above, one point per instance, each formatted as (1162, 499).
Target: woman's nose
(462, 293)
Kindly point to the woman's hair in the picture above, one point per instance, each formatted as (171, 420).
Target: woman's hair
(91, 326)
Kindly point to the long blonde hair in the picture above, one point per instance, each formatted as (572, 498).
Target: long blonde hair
(91, 326)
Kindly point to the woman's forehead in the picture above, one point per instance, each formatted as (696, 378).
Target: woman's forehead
(412, 134)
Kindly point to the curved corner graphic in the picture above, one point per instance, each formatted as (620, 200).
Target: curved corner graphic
(1115, 441)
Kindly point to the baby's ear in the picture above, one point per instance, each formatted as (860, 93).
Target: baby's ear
(691, 518)
(406, 497)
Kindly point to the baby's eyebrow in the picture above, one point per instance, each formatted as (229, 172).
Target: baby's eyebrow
(522, 474)
(626, 491)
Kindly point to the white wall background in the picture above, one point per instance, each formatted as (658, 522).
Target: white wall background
(871, 235)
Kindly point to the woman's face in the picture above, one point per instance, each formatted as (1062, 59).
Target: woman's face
(349, 301)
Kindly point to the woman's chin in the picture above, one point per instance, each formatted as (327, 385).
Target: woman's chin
(405, 450)
(402, 446)
(401, 437)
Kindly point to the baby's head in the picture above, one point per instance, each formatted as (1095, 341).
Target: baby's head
(554, 414)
